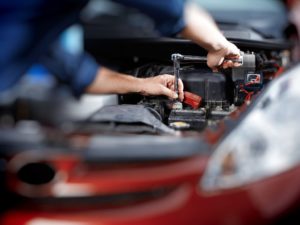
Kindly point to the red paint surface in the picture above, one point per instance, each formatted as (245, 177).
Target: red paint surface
(256, 203)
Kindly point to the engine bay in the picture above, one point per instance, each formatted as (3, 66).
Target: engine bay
(209, 96)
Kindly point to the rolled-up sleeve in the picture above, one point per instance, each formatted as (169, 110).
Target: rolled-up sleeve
(76, 70)
(27, 29)
(167, 15)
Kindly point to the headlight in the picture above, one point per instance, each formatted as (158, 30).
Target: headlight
(265, 143)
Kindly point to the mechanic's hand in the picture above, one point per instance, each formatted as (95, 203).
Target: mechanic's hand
(215, 59)
(162, 85)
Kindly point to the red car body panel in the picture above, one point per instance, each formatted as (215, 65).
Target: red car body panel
(256, 203)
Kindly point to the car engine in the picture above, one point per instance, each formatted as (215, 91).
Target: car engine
(209, 96)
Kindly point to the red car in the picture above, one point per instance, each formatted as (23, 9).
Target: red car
(232, 159)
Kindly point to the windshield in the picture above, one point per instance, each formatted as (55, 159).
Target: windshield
(237, 5)
(268, 17)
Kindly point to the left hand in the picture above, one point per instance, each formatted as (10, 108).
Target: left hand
(162, 85)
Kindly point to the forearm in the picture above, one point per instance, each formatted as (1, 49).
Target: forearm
(108, 82)
(201, 28)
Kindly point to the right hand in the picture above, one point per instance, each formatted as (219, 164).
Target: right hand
(162, 85)
(215, 58)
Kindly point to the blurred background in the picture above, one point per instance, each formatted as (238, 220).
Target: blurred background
(124, 39)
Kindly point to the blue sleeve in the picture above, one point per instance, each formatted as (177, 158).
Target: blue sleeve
(166, 14)
(27, 28)
(76, 70)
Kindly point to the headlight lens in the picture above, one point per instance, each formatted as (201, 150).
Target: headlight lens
(265, 143)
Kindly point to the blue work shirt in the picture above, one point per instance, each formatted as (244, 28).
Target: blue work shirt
(29, 29)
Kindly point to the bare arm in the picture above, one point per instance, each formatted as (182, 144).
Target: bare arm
(201, 28)
(108, 81)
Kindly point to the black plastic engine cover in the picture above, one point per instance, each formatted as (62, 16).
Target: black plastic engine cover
(210, 86)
